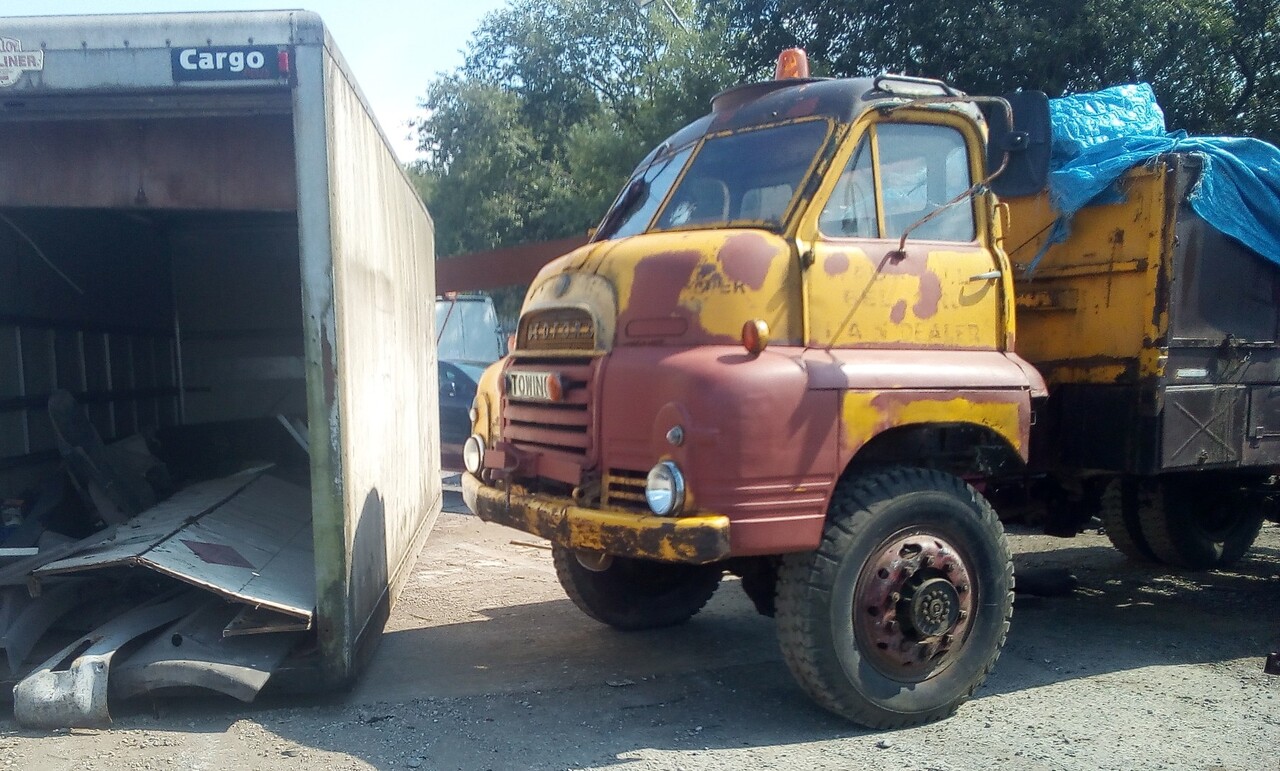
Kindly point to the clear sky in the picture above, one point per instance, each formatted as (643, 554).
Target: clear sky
(393, 47)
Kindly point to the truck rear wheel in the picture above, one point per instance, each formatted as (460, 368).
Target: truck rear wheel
(634, 594)
(1201, 521)
(1118, 511)
(902, 610)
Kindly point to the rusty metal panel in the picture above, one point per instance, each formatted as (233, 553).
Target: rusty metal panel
(1093, 310)
(1222, 291)
(1203, 426)
(179, 163)
(1262, 443)
(500, 267)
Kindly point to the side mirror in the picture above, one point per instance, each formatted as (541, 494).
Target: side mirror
(1028, 143)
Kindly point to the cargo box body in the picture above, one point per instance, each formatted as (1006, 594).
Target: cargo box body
(206, 236)
(1156, 333)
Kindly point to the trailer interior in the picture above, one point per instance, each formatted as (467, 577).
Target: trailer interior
(153, 390)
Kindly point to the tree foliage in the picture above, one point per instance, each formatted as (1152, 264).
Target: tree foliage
(556, 102)
(1214, 64)
(558, 99)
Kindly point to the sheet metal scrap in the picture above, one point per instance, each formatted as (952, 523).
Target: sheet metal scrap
(194, 652)
(246, 537)
(70, 689)
(31, 618)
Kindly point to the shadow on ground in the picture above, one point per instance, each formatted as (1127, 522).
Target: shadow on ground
(540, 686)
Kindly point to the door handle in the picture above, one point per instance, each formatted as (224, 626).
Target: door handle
(986, 276)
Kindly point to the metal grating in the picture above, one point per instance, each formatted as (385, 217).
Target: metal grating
(562, 427)
(624, 488)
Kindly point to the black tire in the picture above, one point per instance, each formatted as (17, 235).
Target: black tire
(633, 594)
(1201, 521)
(847, 667)
(760, 582)
(1118, 510)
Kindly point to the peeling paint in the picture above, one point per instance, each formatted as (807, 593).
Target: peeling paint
(695, 540)
(836, 263)
(746, 258)
(899, 312)
(865, 414)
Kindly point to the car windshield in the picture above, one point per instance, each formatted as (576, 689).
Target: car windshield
(743, 179)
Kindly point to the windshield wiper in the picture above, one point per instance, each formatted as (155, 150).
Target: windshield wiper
(627, 202)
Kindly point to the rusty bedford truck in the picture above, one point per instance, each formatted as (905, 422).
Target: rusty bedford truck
(788, 353)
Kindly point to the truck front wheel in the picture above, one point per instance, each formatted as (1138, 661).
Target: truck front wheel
(902, 610)
(632, 594)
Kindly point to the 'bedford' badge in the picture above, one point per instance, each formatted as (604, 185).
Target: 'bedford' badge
(14, 61)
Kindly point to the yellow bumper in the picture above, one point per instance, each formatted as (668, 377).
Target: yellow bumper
(693, 540)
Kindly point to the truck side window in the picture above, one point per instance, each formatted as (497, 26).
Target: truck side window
(923, 166)
(851, 210)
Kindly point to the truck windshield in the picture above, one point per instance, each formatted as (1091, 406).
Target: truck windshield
(744, 179)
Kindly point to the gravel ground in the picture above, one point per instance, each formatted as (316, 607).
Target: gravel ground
(485, 665)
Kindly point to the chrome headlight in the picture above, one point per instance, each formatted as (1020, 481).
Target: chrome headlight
(664, 489)
(473, 454)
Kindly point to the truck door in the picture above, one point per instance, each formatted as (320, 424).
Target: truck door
(944, 290)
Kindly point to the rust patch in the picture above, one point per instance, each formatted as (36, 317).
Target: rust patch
(746, 258)
(930, 293)
(658, 282)
(329, 367)
(835, 264)
(633, 535)
(899, 312)
(803, 107)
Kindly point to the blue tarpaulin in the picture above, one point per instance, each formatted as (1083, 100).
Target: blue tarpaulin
(1098, 137)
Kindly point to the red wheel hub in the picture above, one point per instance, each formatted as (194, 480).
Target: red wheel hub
(913, 604)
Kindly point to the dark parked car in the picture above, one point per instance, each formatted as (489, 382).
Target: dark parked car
(457, 391)
(468, 339)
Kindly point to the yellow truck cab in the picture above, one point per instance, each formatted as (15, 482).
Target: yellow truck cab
(788, 353)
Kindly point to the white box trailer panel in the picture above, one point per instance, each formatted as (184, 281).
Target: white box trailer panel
(203, 231)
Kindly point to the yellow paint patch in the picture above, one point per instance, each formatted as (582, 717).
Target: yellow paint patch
(719, 302)
(865, 414)
(1110, 267)
(872, 300)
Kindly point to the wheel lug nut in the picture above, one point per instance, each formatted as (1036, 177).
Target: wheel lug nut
(963, 615)
(948, 567)
(962, 588)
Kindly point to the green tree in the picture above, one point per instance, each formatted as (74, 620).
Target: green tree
(1215, 64)
(557, 100)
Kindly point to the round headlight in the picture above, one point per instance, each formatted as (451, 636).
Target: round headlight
(664, 489)
(473, 454)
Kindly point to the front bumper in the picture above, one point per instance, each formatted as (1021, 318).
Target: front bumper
(693, 540)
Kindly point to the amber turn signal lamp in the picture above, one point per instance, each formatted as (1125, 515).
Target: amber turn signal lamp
(792, 63)
(755, 336)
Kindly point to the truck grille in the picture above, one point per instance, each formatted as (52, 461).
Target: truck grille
(624, 489)
(561, 428)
